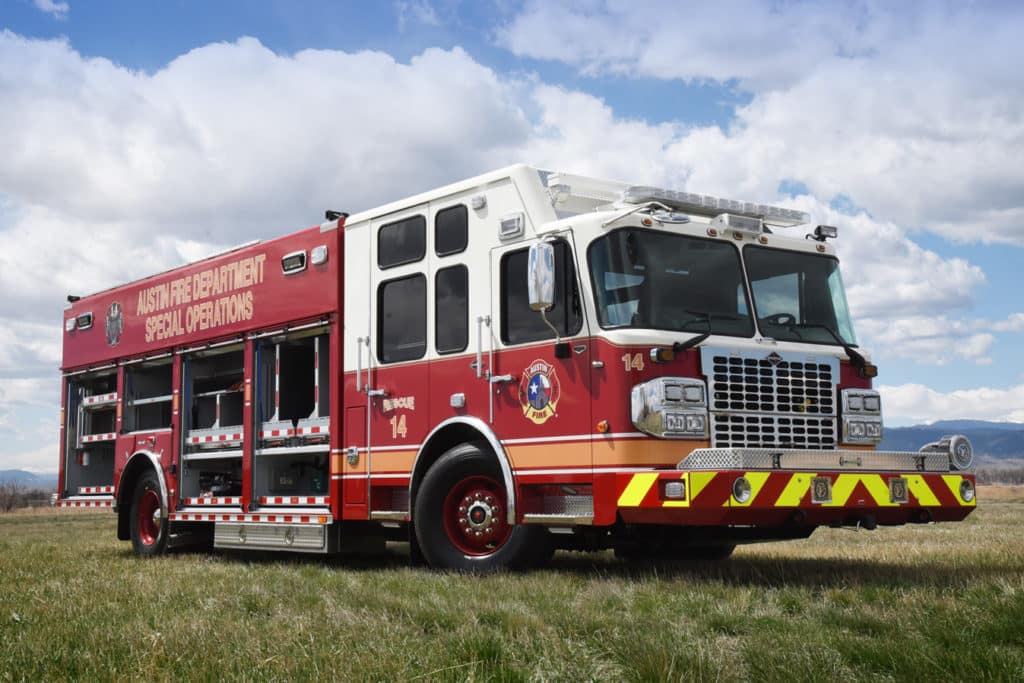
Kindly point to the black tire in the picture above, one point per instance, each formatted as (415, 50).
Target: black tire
(472, 537)
(149, 531)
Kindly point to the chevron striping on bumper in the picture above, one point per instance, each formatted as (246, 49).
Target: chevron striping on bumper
(953, 482)
(795, 491)
(637, 488)
(698, 482)
(924, 494)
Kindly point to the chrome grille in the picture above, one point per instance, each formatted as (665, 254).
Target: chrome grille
(772, 431)
(758, 385)
(769, 399)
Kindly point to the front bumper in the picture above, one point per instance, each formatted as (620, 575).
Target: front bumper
(798, 487)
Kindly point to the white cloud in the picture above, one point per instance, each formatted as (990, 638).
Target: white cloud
(415, 11)
(57, 9)
(938, 340)
(879, 102)
(916, 403)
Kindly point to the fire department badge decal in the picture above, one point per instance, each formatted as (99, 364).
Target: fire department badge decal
(115, 324)
(539, 392)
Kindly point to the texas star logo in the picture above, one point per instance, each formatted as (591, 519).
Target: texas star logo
(115, 324)
(539, 392)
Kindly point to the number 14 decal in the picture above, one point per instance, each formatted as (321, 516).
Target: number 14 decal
(398, 428)
(633, 361)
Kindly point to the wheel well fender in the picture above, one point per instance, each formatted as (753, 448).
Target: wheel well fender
(138, 464)
(451, 433)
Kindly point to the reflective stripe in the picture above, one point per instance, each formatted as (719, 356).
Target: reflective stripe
(698, 481)
(953, 482)
(638, 487)
(921, 490)
(795, 491)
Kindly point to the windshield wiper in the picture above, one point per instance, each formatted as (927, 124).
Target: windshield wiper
(700, 317)
(857, 358)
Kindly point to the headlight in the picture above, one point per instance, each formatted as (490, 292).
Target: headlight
(967, 490)
(862, 416)
(670, 408)
(741, 490)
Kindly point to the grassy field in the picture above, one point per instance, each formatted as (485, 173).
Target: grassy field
(940, 602)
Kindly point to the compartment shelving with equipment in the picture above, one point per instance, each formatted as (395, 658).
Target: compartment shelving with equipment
(212, 432)
(290, 466)
(91, 411)
(147, 388)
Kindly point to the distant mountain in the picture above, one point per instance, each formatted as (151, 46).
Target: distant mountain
(28, 479)
(999, 440)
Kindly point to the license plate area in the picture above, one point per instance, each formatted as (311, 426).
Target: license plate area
(821, 490)
(898, 490)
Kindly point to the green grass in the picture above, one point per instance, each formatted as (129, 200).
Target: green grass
(940, 602)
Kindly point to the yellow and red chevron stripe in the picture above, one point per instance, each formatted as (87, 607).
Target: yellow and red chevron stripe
(790, 490)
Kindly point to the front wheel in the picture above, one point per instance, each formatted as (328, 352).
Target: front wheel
(461, 516)
(149, 531)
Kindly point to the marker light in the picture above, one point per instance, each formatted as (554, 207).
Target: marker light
(318, 255)
(676, 489)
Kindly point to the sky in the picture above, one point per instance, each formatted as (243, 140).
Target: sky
(137, 136)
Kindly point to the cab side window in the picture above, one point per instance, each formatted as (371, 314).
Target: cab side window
(520, 324)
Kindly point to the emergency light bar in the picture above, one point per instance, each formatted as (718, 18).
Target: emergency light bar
(712, 206)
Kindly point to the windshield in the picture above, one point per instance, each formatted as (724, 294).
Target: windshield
(659, 280)
(798, 296)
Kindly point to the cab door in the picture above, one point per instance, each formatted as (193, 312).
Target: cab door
(541, 391)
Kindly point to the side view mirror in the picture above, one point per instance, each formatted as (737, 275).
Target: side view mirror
(540, 276)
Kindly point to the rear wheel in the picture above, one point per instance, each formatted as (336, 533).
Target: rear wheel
(461, 516)
(149, 530)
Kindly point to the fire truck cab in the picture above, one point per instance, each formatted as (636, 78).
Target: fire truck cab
(515, 363)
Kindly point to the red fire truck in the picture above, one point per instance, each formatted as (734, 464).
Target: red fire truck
(511, 364)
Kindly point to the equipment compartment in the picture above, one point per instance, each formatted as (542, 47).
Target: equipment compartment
(293, 414)
(91, 431)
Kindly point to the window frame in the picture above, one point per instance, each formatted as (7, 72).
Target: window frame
(417, 217)
(465, 229)
(380, 317)
(572, 297)
(437, 317)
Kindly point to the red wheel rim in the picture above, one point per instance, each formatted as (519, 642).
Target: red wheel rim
(148, 517)
(474, 516)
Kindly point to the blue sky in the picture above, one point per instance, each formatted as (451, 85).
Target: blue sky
(135, 136)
